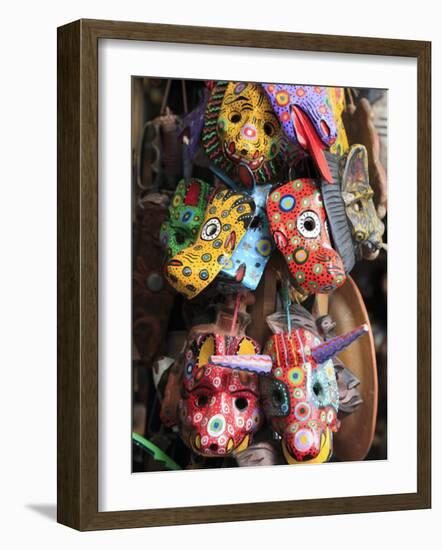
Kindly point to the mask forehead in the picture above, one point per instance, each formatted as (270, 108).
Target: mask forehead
(246, 98)
(224, 380)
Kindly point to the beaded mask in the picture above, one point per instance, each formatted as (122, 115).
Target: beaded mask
(366, 227)
(306, 114)
(298, 225)
(227, 217)
(301, 397)
(246, 266)
(242, 134)
(219, 411)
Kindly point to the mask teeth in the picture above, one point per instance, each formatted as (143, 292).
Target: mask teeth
(329, 349)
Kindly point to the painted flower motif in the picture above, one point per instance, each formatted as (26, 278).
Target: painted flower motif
(282, 98)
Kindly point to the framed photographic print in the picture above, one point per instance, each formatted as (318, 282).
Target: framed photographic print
(244, 288)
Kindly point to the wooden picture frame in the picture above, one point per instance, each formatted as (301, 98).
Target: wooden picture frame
(78, 274)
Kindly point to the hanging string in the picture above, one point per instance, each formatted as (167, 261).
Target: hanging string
(235, 313)
(166, 96)
(183, 85)
(287, 305)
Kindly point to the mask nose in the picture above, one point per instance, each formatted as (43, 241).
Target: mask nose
(249, 132)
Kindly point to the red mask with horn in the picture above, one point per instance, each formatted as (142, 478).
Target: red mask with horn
(220, 408)
(301, 397)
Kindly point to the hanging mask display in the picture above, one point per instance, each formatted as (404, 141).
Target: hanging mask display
(255, 200)
(298, 225)
(366, 227)
(186, 213)
(219, 412)
(301, 398)
(242, 134)
(246, 266)
(227, 217)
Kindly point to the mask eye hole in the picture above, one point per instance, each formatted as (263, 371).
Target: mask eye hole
(241, 403)
(211, 229)
(277, 397)
(201, 401)
(308, 224)
(180, 238)
(269, 130)
(317, 389)
(235, 118)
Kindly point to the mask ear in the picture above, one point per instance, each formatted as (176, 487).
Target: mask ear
(206, 350)
(247, 346)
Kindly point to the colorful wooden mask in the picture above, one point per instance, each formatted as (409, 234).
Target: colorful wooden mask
(242, 134)
(298, 224)
(336, 97)
(220, 408)
(247, 264)
(301, 397)
(307, 117)
(227, 217)
(186, 213)
(366, 227)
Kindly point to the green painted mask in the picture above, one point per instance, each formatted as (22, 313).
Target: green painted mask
(186, 213)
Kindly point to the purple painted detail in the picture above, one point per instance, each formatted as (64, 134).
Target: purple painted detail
(261, 364)
(329, 349)
(192, 125)
(313, 100)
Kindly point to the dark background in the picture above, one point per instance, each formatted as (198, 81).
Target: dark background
(148, 101)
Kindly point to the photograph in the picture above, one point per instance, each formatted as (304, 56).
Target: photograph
(259, 273)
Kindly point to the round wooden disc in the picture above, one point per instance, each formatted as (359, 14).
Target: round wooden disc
(347, 309)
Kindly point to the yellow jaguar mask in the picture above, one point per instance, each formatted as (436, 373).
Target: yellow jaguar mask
(227, 217)
(242, 131)
(247, 126)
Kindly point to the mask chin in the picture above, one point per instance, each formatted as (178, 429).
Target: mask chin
(325, 452)
(243, 445)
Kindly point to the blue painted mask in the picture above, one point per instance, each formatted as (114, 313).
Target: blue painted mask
(245, 267)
